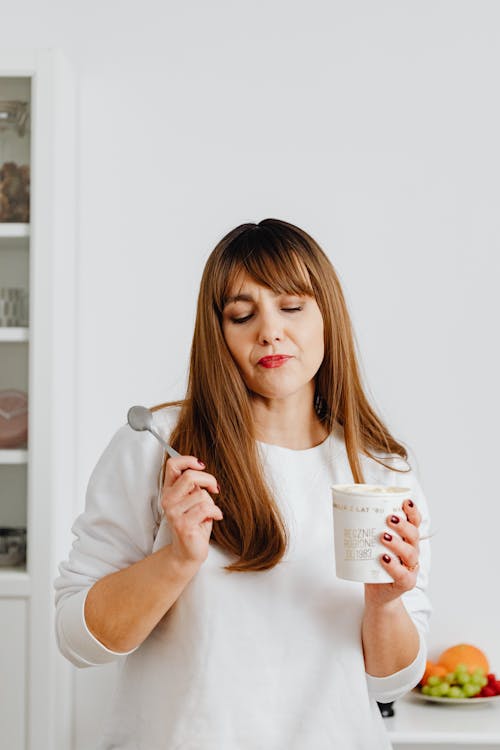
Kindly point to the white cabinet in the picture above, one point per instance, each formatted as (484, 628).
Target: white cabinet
(13, 671)
(37, 254)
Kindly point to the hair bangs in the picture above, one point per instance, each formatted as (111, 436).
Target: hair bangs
(278, 265)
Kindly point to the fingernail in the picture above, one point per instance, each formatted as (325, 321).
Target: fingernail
(386, 558)
(218, 488)
(388, 537)
(410, 503)
(394, 519)
(200, 462)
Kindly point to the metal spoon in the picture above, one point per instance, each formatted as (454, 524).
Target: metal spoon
(140, 418)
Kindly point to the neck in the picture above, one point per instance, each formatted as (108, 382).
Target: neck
(290, 422)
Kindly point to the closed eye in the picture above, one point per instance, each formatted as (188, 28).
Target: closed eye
(247, 317)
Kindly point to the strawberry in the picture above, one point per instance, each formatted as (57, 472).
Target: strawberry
(497, 686)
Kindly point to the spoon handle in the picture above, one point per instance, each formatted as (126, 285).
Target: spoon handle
(171, 451)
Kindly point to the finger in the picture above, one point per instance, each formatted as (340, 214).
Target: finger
(176, 465)
(190, 479)
(204, 511)
(407, 553)
(191, 501)
(412, 513)
(403, 578)
(405, 529)
(178, 515)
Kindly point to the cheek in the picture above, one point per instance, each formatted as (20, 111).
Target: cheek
(316, 337)
(234, 344)
(318, 351)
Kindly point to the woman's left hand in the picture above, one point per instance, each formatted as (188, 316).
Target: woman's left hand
(403, 549)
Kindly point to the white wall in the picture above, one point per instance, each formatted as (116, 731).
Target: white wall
(374, 126)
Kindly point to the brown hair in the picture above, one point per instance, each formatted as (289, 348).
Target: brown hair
(215, 421)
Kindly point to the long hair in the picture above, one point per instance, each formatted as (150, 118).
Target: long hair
(215, 420)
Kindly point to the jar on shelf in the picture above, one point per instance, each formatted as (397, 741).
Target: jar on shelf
(14, 306)
(14, 174)
(12, 546)
(13, 418)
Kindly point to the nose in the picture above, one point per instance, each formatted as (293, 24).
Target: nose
(270, 329)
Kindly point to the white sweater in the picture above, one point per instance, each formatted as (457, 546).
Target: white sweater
(267, 660)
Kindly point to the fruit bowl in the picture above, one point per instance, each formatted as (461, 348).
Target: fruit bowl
(460, 686)
(460, 676)
(417, 692)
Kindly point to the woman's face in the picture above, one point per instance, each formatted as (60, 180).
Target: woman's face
(257, 324)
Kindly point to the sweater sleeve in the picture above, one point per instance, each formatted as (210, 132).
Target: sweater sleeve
(116, 529)
(416, 601)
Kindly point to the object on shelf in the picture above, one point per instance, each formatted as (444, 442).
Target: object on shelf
(14, 114)
(12, 546)
(14, 306)
(14, 192)
(13, 419)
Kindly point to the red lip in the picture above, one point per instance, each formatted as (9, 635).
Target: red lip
(276, 360)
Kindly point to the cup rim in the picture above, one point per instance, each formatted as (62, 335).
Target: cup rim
(392, 490)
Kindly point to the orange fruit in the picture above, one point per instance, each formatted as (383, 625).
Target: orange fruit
(464, 653)
(432, 668)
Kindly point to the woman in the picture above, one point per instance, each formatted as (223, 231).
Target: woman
(210, 576)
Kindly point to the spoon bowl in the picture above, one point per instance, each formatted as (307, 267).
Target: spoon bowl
(140, 418)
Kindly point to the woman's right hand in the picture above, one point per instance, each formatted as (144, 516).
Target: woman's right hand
(189, 509)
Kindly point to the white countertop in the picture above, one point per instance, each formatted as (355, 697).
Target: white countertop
(426, 722)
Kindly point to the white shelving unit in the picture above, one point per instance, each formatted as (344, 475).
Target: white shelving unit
(12, 229)
(15, 583)
(12, 334)
(37, 482)
(13, 456)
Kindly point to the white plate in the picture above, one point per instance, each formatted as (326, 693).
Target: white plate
(463, 701)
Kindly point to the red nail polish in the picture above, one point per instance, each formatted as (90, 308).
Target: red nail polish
(394, 519)
(387, 537)
(410, 503)
(386, 558)
(200, 462)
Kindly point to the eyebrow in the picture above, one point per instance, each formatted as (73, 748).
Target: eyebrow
(249, 298)
(239, 298)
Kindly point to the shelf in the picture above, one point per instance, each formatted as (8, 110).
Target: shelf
(435, 723)
(9, 334)
(14, 582)
(8, 229)
(13, 456)
(40, 257)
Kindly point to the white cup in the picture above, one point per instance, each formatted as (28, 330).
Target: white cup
(359, 519)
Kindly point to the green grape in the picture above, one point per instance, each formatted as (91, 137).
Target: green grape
(463, 678)
(484, 682)
(471, 689)
(444, 688)
(434, 680)
(450, 677)
(477, 679)
(426, 690)
(436, 690)
(455, 692)
(479, 672)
